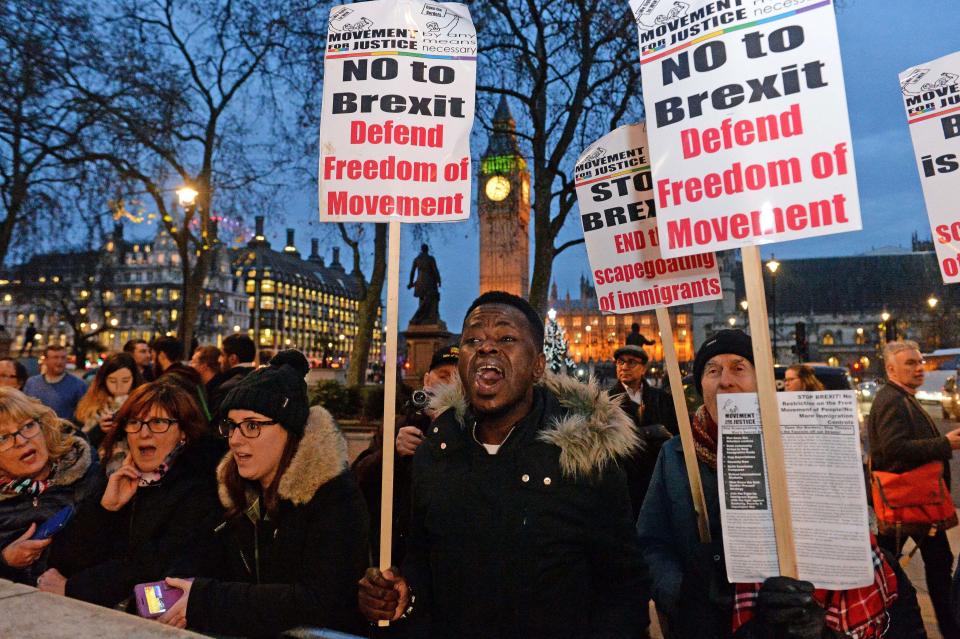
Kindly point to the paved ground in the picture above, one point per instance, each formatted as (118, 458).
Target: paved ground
(915, 568)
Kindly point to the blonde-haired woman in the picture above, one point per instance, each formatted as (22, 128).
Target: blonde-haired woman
(44, 467)
(801, 377)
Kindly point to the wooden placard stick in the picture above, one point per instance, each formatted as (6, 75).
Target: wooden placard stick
(769, 410)
(389, 397)
(683, 422)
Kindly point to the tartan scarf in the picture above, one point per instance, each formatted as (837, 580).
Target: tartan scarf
(705, 437)
(859, 613)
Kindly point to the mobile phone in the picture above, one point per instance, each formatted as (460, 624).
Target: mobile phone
(155, 598)
(54, 524)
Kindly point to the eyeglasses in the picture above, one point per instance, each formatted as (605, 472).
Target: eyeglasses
(27, 431)
(249, 428)
(157, 425)
(628, 363)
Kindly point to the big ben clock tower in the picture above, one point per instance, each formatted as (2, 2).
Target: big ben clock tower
(504, 210)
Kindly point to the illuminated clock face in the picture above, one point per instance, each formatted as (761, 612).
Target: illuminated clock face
(498, 188)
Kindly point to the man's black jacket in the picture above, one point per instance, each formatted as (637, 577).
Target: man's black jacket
(535, 541)
(902, 434)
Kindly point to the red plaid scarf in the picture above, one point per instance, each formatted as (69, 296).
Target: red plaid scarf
(860, 613)
(705, 437)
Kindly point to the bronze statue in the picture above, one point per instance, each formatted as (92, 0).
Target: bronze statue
(426, 288)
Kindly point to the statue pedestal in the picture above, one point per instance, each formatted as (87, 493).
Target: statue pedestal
(423, 340)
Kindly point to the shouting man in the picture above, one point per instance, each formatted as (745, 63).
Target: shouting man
(521, 521)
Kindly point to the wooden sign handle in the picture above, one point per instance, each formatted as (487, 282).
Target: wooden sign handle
(769, 410)
(389, 397)
(683, 422)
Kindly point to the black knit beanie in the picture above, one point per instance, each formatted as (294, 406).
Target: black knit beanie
(277, 391)
(728, 341)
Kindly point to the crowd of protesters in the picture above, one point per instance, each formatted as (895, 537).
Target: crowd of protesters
(526, 504)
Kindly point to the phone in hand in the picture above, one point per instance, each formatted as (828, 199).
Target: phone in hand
(54, 524)
(155, 598)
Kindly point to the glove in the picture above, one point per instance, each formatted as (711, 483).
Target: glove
(786, 609)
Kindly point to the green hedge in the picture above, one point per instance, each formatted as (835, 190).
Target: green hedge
(353, 402)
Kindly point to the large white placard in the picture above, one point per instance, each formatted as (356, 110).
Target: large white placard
(931, 98)
(747, 120)
(398, 105)
(821, 454)
(618, 217)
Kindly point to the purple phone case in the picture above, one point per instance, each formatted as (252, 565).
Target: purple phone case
(167, 595)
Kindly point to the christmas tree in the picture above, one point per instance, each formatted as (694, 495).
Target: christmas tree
(555, 345)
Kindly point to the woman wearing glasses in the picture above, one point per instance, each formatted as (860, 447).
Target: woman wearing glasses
(295, 541)
(44, 468)
(161, 498)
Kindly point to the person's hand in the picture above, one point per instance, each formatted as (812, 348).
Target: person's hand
(786, 609)
(177, 615)
(121, 486)
(954, 438)
(53, 582)
(107, 424)
(408, 440)
(23, 551)
(383, 596)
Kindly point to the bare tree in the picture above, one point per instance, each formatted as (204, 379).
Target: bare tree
(371, 291)
(39, 118)
(573, 69)
(189, 92)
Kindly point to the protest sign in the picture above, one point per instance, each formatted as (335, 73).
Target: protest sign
(618, 217)
(822, 457)
(619, 220)
(747, 123)
(398, 105)
(931, 99)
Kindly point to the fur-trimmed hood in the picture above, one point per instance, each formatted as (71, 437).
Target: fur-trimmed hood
(72, 466)
(320, 457)
(593, 431)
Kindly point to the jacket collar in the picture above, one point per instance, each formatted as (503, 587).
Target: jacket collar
(591, 430)
(320, 457)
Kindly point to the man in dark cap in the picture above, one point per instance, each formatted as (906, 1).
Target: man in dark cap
(521, 523)
(688, 578)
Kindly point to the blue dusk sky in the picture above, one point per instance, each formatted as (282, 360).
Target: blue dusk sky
(878, 40)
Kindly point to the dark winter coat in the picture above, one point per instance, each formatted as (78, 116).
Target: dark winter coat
(76, 477)
(104, 554)
(535, 541)
(688, 578)
(223, 383)
(300, 565)
(368, 469)
(655, 423)
(902, 436)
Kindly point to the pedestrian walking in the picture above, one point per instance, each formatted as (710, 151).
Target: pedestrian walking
(903, 438)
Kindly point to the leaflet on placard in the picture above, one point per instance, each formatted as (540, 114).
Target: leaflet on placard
(747, 119)
(931, 98)
(821, 448)
(398, 104)
(618, 217)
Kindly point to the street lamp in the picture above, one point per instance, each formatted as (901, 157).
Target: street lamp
(552, 314)
(932, 301)
(744, 304)
(772, 266)
(187, 195)
(732, 321)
